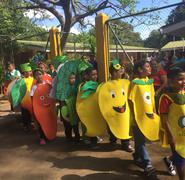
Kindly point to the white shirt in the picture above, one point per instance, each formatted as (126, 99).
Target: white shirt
(33, 89)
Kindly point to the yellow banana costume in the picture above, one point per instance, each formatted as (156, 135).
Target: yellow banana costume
(89, 112)
(176, 118)
(142, 97)
(113, 103)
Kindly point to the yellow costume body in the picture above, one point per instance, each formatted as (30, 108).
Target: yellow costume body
(113, 103)
(176, 118)
(142, 97)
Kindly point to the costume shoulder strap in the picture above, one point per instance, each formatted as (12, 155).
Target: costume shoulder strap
(177, 98)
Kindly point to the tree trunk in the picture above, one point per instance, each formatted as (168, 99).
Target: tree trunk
(67, 25)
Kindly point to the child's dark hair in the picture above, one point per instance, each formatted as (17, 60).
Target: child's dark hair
(137, 65)
(72, 74)
(112, 69)
(37, 70)
(89, 70)
(174, 72)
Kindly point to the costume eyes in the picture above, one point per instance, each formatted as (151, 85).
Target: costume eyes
(42, 98)
(113, 94)
(147, 98)
(123, 91)
(181, 122)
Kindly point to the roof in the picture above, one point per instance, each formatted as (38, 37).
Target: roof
(173, 45)
(177, 29)
(41, 45)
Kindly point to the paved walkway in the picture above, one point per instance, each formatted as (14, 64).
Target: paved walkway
(22, 158)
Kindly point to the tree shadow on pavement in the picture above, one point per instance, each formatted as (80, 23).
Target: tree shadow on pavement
(97, 164)
(97, 176)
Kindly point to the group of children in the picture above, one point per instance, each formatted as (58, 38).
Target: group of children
(171, 111)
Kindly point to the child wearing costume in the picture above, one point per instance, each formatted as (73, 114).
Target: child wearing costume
(115, 71)
(25, 111)
(46, 77)
(90, 79)
(172, 112)
(145, 120)
(68, 111)
(43, 108)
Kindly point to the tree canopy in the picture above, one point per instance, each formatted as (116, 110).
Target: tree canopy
(158, 40)
(14, 25)
(70, 12)
(125, 33)
(176, 15)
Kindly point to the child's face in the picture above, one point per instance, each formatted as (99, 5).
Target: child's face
(10, 67)
(94, 75)
(178, 83)
(146, 70)
(116, 75)
(39, 76)
(42, 67)
(72, 79)
(51, 67)
(27, 74)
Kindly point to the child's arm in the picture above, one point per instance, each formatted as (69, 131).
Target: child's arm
(166, 126)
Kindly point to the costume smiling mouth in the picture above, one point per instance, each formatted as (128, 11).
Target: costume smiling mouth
(150, 115)
(120, 109)
(46, 104)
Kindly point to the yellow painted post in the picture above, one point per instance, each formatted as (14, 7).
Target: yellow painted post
(55, 49)
(58, 43)
(102, 47)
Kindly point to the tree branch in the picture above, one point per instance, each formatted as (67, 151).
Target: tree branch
(51, 9)
(73, 7)
(102, 6)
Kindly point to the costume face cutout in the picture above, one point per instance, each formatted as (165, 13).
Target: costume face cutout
(114, 107)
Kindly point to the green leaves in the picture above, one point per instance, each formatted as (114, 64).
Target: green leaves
(88, 88)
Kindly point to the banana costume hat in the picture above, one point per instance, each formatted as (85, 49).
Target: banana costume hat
(113, 103)
(88, 109)
(142, 97)
(176, 118)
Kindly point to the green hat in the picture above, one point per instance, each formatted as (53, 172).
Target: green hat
(26, 67)
(59, 60)
(115, 64)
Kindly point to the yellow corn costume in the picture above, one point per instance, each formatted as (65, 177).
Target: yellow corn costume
(142, 97)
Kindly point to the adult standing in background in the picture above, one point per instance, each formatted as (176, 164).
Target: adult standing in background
(93, 61)
(52, 70)
(160, 80)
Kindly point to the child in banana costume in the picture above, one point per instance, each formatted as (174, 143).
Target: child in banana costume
(172, 112)
(146, 121)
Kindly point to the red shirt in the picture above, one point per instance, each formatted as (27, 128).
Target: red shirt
(157, 77)
(164, 105)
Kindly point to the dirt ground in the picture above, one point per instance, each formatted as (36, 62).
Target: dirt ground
(22, 158)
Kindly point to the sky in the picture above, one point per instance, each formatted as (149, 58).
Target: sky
(143, 29)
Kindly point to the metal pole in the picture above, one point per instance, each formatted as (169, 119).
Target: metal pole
(120, 44)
